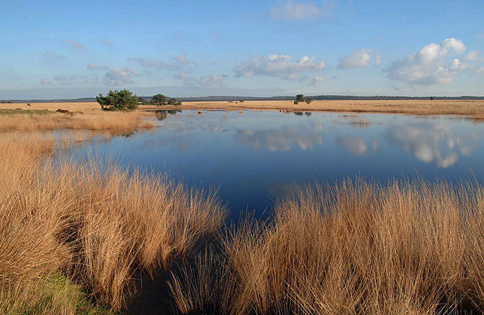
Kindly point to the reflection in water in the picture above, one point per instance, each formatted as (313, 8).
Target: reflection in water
(433, 143)
(355, 146)
(279, 139)
(254, 156)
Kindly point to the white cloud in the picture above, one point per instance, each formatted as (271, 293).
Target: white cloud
(182, 60)
(474, 56)
(293, 10)
(151, 63)
(119, 76)
(378, 60)
(276, 66)
(93, 66)
(173, 64)
(358, 59)
(212, 80)
(317, 80)
(430, 65)
(75, 45)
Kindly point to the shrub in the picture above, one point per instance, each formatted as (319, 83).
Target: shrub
(158, 99)
(118, 100)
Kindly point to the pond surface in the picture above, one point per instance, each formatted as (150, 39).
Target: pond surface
(254, 157)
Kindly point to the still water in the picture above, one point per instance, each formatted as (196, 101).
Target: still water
(254, 157)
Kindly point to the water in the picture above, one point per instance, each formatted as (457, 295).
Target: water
(255, 157)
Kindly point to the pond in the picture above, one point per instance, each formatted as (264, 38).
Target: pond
(254, 157)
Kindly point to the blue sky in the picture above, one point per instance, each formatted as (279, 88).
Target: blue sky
(71, 49)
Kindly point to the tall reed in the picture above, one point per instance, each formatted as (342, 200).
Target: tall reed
(353, 248)
(92, 221)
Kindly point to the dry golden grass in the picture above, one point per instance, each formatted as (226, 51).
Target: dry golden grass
(109, 122)
(92, 221)
(355, 248)
(471, 109)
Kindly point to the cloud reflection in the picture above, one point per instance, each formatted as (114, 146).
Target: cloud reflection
(433, 143)
(355, 146)
(280, 139)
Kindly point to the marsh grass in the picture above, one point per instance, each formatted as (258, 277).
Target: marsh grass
(42, 120)
(92, 222)
(353, 248)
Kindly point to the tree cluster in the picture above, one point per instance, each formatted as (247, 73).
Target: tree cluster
(118, 100)
(300, 98)
(160, 99)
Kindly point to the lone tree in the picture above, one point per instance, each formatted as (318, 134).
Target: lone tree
(118, 100)
(158, 99)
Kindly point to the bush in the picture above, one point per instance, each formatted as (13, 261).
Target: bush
(118, 100)
(172, 101)
(158, 99)
(308, 100)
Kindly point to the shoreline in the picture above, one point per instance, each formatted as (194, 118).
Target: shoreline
(472, 109)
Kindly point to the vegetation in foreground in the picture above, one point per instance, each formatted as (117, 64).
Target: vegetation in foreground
(77, 236)
(355, 248)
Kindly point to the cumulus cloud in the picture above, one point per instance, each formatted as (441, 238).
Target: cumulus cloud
(183, 60)
(430, 65)
(75, 45)
(293, 10)
(317, 80)
(93, 66)
(119, 76)
(433, 143)
(276, 66)
(378, 60)
(358, 59)
(212, 80)
(474, 56)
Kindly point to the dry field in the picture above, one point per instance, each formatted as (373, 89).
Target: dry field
(467, 108)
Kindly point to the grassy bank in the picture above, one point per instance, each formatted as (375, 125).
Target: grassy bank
(94, 120)
(355, 248)
(76, 235)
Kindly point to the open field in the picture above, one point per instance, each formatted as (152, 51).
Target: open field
(470, 109)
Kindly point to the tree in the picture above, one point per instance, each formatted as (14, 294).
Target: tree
(172, 101)
(308, 100)
(300, 98)
(118, 100)
(158, 99)
(141, 100)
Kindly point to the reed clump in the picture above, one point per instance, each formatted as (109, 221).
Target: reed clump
(112, 122)
(353, 248)
(92, 224)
